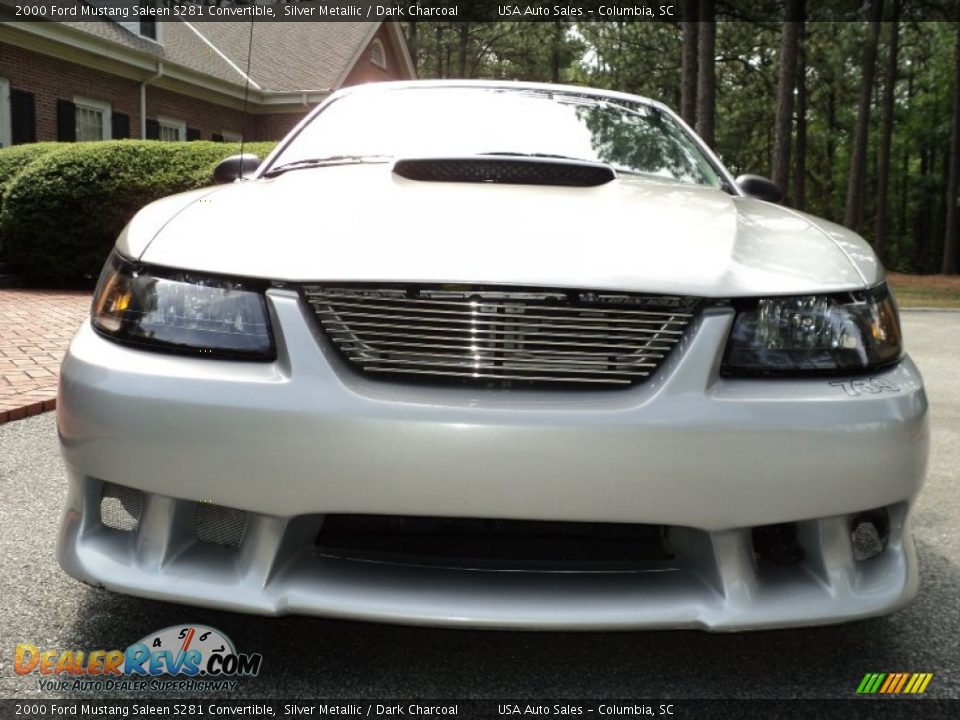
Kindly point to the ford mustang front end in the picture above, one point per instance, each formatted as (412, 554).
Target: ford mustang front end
(495, 355)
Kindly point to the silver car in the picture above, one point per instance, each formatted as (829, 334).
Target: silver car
(497, 355)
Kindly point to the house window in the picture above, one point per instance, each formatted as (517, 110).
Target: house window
(378, 56)
(4, 113)
(148, 28)
(172, 130)
(91, 119)
(232, 137)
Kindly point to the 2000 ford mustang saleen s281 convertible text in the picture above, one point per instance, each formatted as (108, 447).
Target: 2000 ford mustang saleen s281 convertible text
(497, 355)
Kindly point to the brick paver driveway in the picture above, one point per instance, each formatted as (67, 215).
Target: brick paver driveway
(35, 329)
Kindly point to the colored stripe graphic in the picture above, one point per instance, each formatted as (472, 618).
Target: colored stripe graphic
(903, 679)
(891, 682)
(894, 683)
(870, 683)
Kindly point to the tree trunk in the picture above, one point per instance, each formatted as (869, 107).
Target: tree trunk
(831, 187)
(886, 138)
(904, 180)
(783, 127)
(464, 42)
(555, 51)
(922, 216)
(903, 190)
(706, 72)
(438, 39)
(412, 45)
(858, 158)
(950, 239)
(800, 162)
(688, 85)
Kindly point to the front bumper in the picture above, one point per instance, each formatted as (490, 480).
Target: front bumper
(305, 436)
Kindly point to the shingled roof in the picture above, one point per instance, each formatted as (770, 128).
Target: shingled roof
(286, 57)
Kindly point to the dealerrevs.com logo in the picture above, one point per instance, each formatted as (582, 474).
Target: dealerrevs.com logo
(180, 657)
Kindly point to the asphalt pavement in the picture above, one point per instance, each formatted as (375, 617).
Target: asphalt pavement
(309, 657)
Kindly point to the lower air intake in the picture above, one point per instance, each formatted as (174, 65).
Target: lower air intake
(219, 525)
(121, 507)
(869, 533)
(776, 545)
(472, 543)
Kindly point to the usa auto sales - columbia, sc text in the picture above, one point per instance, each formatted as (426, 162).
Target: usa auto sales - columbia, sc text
(612, 11)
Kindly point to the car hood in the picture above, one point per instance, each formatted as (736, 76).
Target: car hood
(365, 223)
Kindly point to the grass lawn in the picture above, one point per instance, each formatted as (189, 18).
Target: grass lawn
(934, 291)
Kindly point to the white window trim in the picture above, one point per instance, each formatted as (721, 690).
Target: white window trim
(231, 136)
(100, 106)
(181, 125)
(6, 129)
(382, 61)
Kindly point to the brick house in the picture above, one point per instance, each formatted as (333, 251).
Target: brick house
(180, 80)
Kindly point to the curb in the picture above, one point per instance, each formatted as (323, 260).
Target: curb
(33, 408)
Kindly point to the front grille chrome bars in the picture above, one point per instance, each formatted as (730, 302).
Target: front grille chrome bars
(508, 335)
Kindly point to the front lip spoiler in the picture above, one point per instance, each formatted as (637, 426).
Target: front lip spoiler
(274, 571)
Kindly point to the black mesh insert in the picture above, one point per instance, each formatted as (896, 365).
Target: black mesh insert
(505, 169)
(492, 544)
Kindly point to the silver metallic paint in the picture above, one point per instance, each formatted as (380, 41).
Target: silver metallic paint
(780, 450)
(306, 434)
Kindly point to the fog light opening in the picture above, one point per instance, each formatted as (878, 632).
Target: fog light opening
(776, 545)
(219, 525)
(869, 534)
(120, 507)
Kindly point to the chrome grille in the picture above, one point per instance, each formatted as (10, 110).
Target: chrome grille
(507, 335)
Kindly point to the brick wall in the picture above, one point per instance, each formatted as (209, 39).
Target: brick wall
(50, 79)
(207, 117)
(276, 125)
(366, 71)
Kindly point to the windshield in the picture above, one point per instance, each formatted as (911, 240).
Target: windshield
(445, 122)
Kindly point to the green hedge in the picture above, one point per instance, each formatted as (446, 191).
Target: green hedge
(63, 211)
(14, 159)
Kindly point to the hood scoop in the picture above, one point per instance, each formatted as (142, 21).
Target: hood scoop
(506, 169)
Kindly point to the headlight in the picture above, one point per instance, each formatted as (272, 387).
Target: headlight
(813, 334)
(181, 312)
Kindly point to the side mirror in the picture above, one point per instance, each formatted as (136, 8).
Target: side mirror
(235, 167)
(760, 188)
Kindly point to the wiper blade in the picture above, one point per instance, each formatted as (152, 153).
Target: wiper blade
(325, 162)
(550, 156)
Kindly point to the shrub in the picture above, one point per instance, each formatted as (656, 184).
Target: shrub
(62, 213)
(15, 158)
